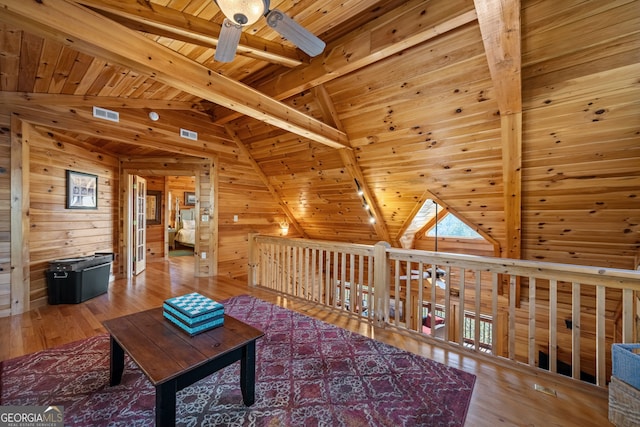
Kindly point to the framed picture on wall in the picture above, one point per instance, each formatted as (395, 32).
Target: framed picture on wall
(82, 190)
(189, 198)
(154, 204)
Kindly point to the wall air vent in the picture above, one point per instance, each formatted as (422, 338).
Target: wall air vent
(189, 134)
(105, 114)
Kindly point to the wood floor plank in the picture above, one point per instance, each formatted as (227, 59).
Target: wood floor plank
(503, 396)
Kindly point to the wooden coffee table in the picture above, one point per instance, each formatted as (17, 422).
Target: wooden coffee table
(172, 360)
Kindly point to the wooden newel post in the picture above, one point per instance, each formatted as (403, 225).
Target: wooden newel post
(381, 282)
(253, 260)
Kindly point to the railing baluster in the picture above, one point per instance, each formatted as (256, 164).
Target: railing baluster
(447, 304)
(335, 278)
(627, 316)
(477, 316)
(432, 311)
(553, 325)
(327, 286)
(512, 317)
(343, 280)
(360, 285)
(494, 314)
(600, 335)
(407, 300)
(306, 266)
(461, 298)
(371, 296)
(396, 295)
(353, 286)
(575, 329)
(532, 321)
(420, 292)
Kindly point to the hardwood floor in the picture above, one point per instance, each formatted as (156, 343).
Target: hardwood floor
(502, 395)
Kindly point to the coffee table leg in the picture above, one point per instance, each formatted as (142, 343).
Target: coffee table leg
(116, 364)
(166, 404)
(248, 373)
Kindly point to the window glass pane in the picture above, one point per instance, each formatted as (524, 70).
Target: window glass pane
(450, 226)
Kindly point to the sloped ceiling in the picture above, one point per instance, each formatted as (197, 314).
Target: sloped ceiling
(481, 105)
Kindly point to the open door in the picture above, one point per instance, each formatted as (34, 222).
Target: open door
(139, 224)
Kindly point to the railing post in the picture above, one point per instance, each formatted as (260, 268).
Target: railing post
(381, 282)
(252, 260)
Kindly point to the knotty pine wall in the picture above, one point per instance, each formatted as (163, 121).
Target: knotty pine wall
(5, 215)
(581, 115)
(56, 232)
(242, 193)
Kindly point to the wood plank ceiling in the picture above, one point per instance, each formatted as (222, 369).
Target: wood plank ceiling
(480, 104)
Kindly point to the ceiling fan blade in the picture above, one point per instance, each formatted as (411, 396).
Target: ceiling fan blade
(228, 41)
(295, 33)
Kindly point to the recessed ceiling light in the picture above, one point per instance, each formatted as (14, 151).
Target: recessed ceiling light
(154, 116)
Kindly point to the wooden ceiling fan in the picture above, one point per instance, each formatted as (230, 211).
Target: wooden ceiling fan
(240, 13)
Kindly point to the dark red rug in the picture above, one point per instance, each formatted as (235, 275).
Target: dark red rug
(308, 373)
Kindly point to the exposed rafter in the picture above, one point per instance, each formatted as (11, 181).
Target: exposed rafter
(74, 25)
(383, 37)
(131, 131)
(34, 99)
(351, 164)
(164, 21)
(500, 27)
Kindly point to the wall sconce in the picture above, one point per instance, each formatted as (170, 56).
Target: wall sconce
(284, 227)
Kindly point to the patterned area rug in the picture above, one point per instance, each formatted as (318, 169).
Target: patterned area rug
(308, 373)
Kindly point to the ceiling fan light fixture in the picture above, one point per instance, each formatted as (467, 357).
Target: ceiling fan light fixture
(243, 12)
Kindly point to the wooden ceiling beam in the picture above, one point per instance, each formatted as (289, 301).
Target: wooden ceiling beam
(133, 132)
(499, 22)
(56, 99)
(352, 166)
(413, 23)
(164, 21)
(75, 25)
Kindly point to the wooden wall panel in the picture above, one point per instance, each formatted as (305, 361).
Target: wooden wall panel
(581, 150)
(5, 215)
(430, 123)
(57, 232)
(242, 193)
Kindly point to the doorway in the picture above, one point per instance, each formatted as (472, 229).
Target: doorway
(182, 214)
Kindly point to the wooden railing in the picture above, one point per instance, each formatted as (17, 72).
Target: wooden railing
(567, 315)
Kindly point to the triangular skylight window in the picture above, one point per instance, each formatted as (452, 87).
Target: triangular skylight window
(448, 226)
(451, 226)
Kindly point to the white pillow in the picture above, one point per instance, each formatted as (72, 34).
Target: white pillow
(188, 224)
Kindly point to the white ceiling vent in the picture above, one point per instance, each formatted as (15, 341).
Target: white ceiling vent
(189, 134)
(105, 114)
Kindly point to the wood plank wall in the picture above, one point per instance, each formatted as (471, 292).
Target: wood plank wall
(5, 215)
(580, 180)
(55, 231)
(242, 193)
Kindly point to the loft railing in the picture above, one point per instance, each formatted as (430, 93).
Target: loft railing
(568, 317)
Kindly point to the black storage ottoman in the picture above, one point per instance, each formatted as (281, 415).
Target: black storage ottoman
(75, 280)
